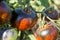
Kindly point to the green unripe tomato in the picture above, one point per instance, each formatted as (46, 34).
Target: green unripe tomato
(10, 34)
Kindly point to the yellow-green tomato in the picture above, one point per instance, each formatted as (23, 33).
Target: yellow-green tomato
(10, 34)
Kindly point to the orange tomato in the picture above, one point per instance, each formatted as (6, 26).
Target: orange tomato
(22, 23)
(48, 32)
(23, 20)
(4, 13)
(25, 24)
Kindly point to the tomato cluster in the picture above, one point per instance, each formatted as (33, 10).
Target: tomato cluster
(19, 18)
(26, 19)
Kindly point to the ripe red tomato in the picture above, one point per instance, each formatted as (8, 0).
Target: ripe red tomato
(48, 32)
(25, 24)
(32, 15)
(22, 23)
(4, 13)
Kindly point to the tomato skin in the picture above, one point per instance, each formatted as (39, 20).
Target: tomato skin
(25, 24)
(32, 15)
(30, 12)
(5, 14)
(34, 21)
(52, 35)
(51, 14)
(22, 21)
(8, 33)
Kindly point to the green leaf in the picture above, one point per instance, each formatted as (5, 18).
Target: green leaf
(45, 3)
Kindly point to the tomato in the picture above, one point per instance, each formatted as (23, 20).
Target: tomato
(25, 24)
(47, 32)
(21, 20)
(5, 14)
(17, 12)
(8, 34)
(22, 23)
(53, 14)
(31, 14)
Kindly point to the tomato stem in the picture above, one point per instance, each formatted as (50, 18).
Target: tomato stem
(21, 35)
